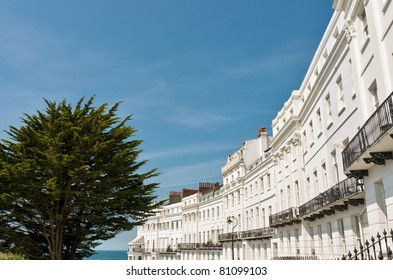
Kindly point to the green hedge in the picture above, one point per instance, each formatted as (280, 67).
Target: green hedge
(10, 256)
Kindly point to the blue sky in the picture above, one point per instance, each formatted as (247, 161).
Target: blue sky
(198, 76)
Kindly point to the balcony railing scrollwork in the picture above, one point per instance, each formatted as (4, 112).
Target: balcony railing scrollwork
(228, 236)
(200, 246)
(138, 250)
(374, 129)
(286, 217)
(168, 250)
(266, 232)
(336, 198)
(260, 233)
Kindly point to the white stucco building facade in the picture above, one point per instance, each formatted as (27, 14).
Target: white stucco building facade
(315, 142)
(160, 236)
(248, 200)
(186, 227)
(322, 184)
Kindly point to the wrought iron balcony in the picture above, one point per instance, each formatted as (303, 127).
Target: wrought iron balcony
(349, 191)
(199, 246)
(168, 250)
(229, 236)
(266, 232)
(260, 233)
(363, 144)
(286, 217)
(138, 250)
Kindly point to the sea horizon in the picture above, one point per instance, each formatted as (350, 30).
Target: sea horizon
(108, 255)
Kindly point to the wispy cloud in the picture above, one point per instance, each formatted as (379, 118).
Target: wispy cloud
(275, 63)
(188, 150)
(150, 94)
(197, 118)
(36, 63)
(39, 60)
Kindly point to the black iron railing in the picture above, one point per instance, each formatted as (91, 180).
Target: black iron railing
(138, 250)
(265, 232)
(377, 249)
(228, 236)
(374, 128)
(258, 233)
(343, 189)
(287, 216)
(168, 250)
(200, 246)
(295, 258)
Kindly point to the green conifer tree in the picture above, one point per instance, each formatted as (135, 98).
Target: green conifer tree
(70, 177)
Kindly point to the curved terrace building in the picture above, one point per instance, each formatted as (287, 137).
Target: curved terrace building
(322, 184)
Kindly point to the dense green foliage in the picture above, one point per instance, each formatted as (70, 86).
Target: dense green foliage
(69, 178)
(11, 256)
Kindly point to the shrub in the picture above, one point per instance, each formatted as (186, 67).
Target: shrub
(11, 256)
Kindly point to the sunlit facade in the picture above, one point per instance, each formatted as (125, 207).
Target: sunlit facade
(322, 184)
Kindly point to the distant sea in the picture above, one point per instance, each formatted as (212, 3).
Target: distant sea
(108, 255)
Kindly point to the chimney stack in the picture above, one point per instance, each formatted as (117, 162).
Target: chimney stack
(262, 132)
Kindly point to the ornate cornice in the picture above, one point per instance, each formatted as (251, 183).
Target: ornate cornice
(349, 29)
